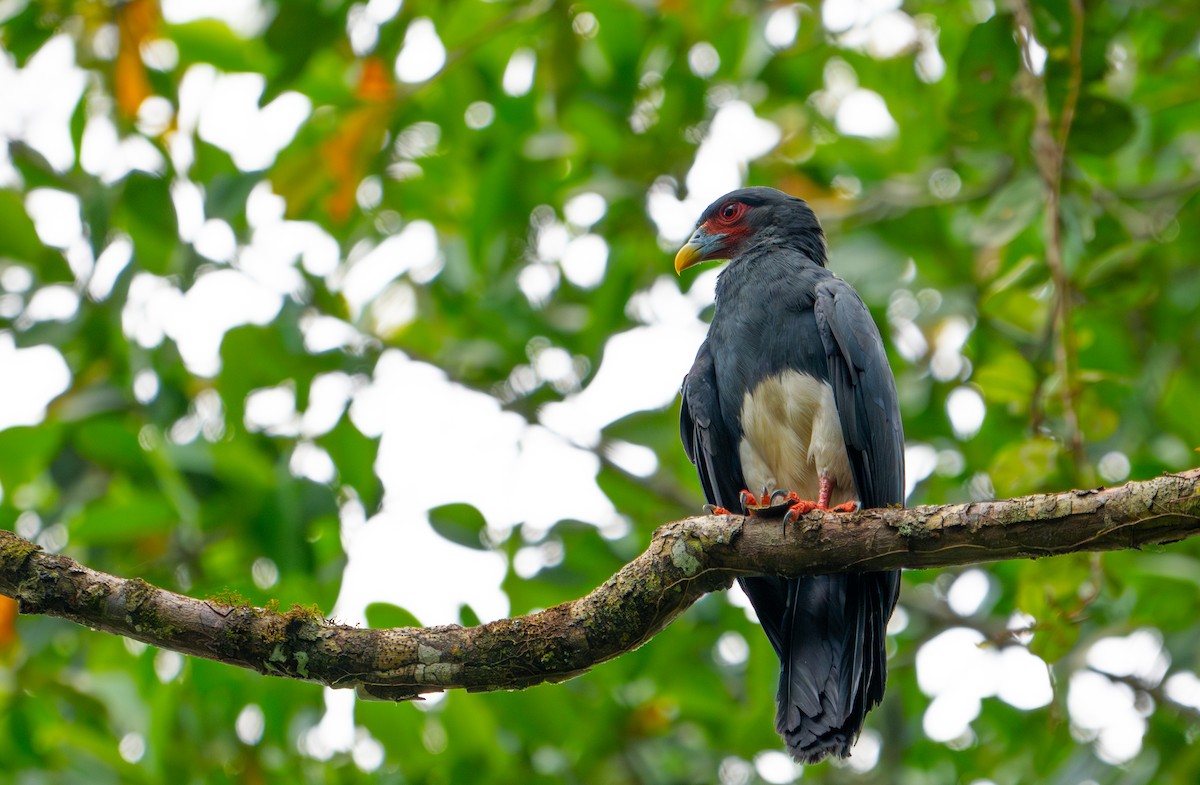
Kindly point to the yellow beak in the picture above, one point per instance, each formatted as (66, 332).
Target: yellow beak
(700, 247)
(687, 256)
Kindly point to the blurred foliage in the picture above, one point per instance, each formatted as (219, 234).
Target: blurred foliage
(942, 225)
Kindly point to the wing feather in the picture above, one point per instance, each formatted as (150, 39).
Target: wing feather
(864, 392)
(707, 443)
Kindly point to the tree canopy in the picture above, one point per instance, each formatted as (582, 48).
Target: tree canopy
(368, 308)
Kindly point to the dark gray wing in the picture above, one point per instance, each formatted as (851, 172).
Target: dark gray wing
(705, 436)
(864, 392)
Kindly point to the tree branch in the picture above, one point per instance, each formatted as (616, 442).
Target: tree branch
(686, 559)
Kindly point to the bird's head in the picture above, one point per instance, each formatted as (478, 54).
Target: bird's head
(747, 217)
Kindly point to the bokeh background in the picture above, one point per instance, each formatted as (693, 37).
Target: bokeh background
(370, 306)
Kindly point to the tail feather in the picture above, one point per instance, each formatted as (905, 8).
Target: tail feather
(829, 632)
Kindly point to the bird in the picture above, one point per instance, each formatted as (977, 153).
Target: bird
(791, 394)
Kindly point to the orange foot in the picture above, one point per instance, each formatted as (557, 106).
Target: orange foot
(803, 507)
(754, 504)
(824, 492)
(749, 500)
(766, 505)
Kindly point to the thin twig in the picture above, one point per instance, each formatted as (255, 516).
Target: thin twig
(1049, 148)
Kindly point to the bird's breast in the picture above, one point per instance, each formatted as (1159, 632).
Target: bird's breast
(791, 434)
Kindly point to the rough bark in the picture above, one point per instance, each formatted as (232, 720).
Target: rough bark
(685, 560)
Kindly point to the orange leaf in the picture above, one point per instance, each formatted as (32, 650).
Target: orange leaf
(332, 170)
(375, 82)
(348, 154)
(132, 86)
(137, 22)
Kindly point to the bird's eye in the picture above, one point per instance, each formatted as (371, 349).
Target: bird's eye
(731, 211)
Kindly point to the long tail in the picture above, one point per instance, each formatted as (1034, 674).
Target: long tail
(829, 632)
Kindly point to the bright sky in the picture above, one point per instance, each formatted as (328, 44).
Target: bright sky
(508, 458)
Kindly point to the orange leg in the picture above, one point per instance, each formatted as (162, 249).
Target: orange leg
(824, 493)
(825, 490)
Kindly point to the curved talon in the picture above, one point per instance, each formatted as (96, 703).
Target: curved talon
(852, 506)
(712, 509)
(801, 507)
(779, 493)
(747, 499)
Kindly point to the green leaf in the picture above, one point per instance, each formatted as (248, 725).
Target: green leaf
(110, 441)
(1025, 467)
(147, 213)
(123, 517)
(1049, 591)
(467, 616)
(983, 108)
(1018, 310)
(1007, 378)
(459, 523)
(385, 616)
(26, 452)
(18, 238)
(211, 41)
(235, 461)
(586, 554)
(354, 456)
(1008, 213)
(314, 23)
(1102, 126)
(1098, 421)
(1055, 641)
(253, 357)
(24, 33)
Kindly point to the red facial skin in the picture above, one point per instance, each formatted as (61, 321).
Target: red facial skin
(728, 221)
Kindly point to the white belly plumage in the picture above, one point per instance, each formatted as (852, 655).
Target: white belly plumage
(791, 434)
